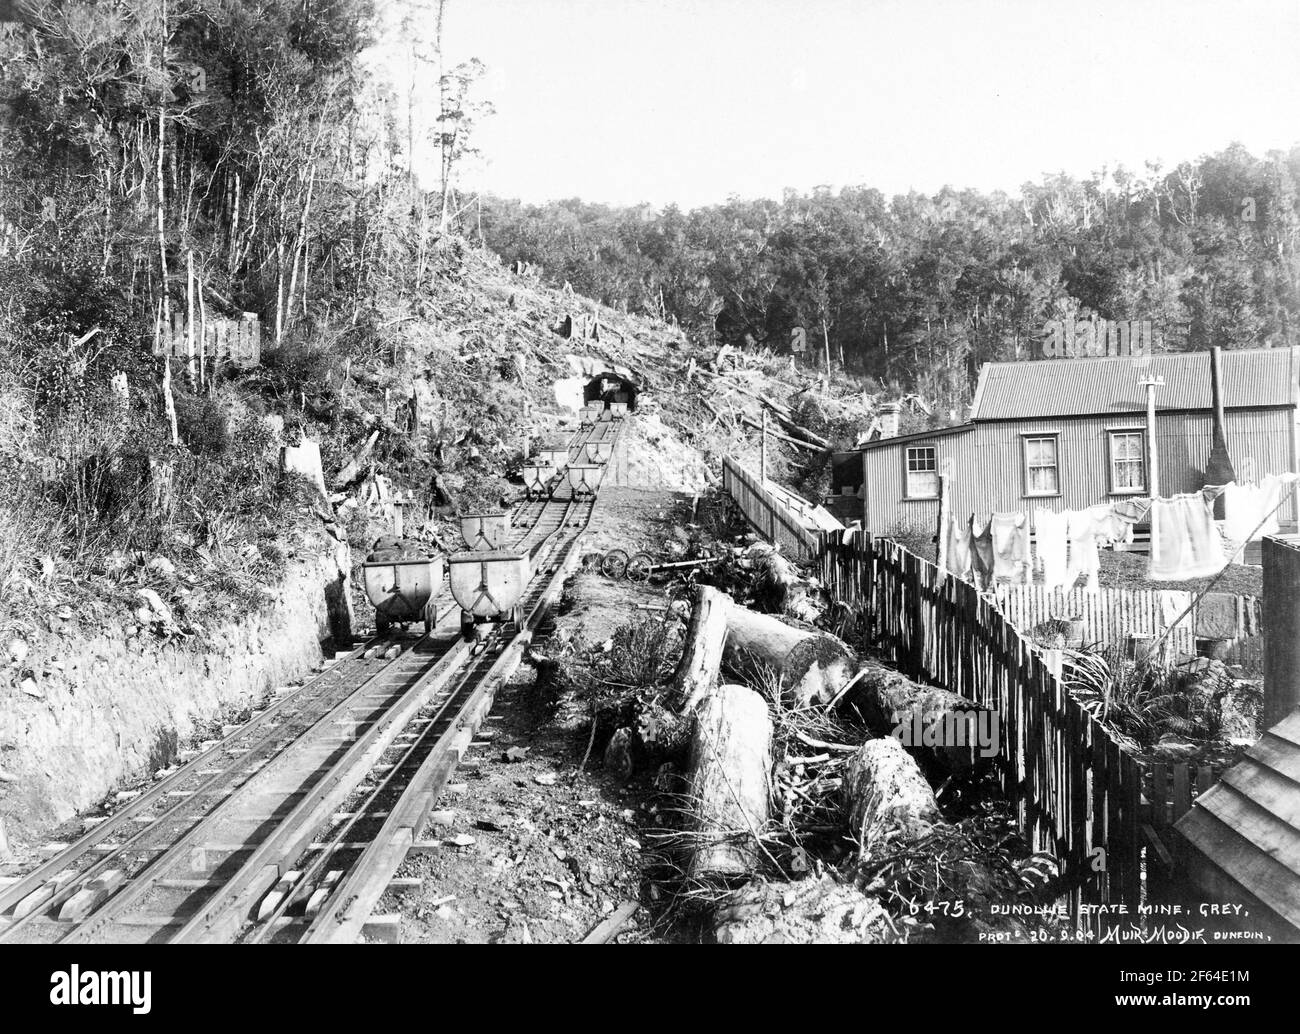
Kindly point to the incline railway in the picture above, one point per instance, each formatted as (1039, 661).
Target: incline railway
(290, 828)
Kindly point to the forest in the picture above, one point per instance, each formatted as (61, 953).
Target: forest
(233, 158)
(250, 139)
(917, 291)
(254, 141)
(205, 160)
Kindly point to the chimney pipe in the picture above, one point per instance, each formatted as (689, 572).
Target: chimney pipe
(1218, 468)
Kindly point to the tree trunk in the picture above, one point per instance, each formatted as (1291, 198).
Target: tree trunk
(730, 782)
(697, 671)
(885, 795)
(813, 666)
(948, 728)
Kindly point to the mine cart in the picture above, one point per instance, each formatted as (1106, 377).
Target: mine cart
(597, 452)
(584, 478)
(557, 458)
(489, 586)
(538, 478)
(485, 531)
(403, 591)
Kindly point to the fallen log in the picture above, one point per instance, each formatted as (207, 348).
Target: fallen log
(812, 666)
(751, 422)
(697, 671)
(957, 733)
(803, 432)
(730, 783)
(886, 797)
(776, 407)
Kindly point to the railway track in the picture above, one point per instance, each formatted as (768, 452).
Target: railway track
(289, 829)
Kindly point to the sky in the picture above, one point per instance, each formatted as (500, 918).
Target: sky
(692, 101)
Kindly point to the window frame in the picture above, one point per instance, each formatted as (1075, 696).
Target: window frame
(1027, 491)
(1141, 433)
(907, 470)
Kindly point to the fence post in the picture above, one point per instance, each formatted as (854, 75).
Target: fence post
(1281, 555)
(941, 536)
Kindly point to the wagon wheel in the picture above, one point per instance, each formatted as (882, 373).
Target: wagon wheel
(382, 625)
(639, 567)
(614, 563)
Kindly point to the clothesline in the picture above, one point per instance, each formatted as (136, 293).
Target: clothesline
(997, 548)
(1186, 541)
(1214, 581)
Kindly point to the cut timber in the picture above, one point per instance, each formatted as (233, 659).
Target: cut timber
(885, 795)
(608, 929)
(945, 726)
(89, 897)
(730, 782)
(385, 929)
(812, 665)
(697, 671)
(352, 469)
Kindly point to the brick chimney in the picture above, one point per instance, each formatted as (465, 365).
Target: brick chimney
(889, 413)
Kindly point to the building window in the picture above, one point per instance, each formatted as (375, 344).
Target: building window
(1127, 462)
(1042, 476)
(922, 472)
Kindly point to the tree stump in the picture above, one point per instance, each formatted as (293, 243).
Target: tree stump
(697, 671)
(730, 786)
(886, 796)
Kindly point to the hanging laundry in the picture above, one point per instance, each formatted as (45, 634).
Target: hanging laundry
(1174, 606)
(1216, 616)
(1242, 514)
(1010, 547)
(1250, 511)
(1185, 541)
(1131, 511)
(1050, 538)
(981, 554)
(959, 548)
(1109, 526)
(1272, 487)
(1083, 560)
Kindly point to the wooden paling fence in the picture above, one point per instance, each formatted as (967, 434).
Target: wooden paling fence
(768, 513)
(1108, 615)
(1111, 615)
(1074, 791)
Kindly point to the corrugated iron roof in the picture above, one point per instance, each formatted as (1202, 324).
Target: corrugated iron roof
(1248, 824)
(1097, 386)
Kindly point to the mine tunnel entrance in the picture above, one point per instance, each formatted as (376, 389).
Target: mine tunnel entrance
(611, 387)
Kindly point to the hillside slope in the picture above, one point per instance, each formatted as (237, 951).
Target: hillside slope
(487, 355)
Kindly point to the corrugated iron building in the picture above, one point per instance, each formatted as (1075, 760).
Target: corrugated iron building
(1064, 434)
